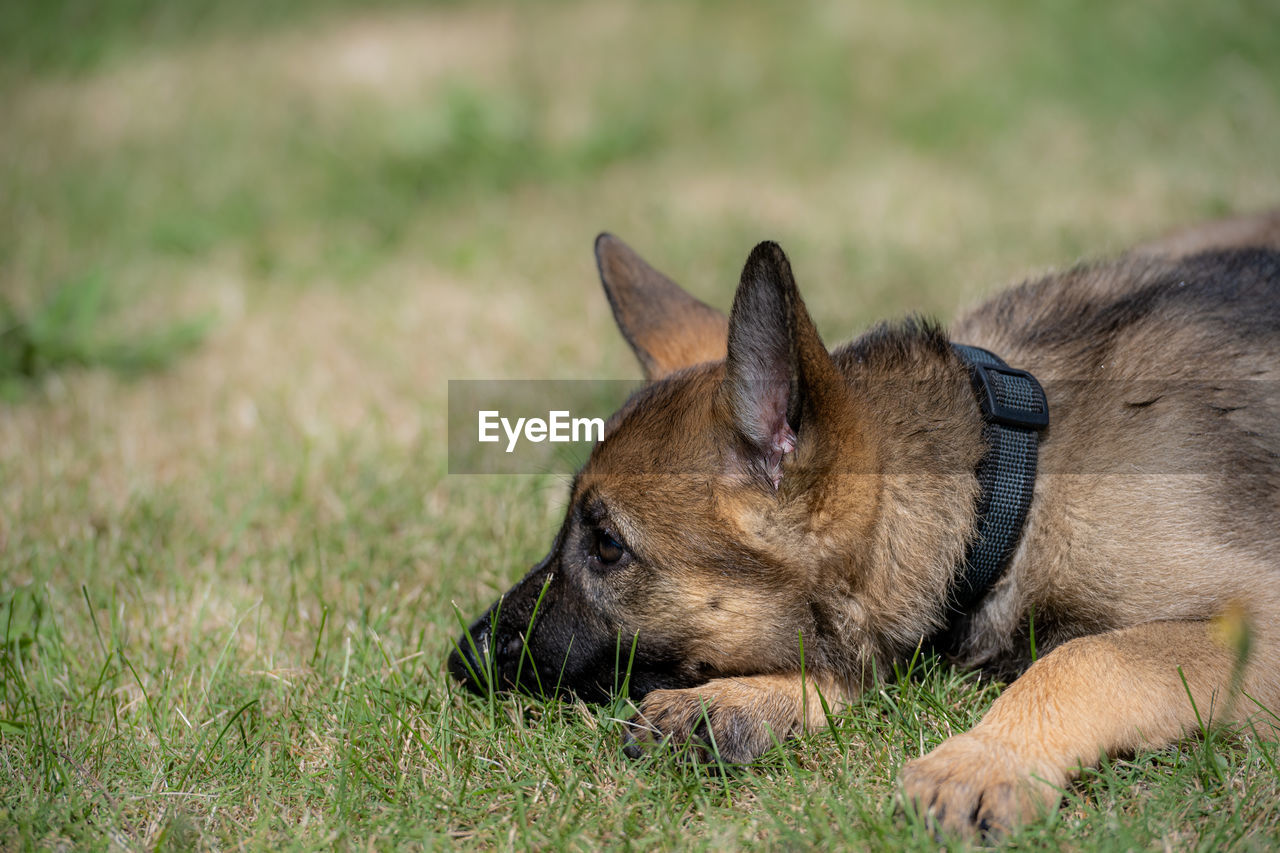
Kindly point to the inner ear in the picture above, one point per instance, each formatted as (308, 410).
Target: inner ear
(667, 328)
(777, 368)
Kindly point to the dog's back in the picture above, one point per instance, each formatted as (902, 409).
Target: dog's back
(1160, 473)
(1150, 552)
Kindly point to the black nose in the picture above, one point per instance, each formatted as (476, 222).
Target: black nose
(471, 661)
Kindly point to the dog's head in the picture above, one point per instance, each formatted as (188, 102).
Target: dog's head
(701, 526)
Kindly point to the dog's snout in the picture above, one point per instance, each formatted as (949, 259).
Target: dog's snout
(470, 663)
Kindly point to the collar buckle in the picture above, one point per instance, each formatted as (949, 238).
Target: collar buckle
(1010, 397)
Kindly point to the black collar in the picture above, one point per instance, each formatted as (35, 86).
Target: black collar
(1014, 412)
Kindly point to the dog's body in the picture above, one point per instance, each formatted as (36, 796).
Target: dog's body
(759, 490)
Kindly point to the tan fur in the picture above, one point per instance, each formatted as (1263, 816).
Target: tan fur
(666, 327)
(1098, 695)
(770, 495)
(736, 719)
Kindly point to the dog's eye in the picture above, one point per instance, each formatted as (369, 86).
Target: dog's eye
(606, 549)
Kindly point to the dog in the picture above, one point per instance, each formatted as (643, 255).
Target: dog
(768, 526)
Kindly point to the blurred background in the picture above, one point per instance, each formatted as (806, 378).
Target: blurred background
(244, 244)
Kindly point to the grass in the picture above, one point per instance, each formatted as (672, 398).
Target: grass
(227, 584)
(68, 330)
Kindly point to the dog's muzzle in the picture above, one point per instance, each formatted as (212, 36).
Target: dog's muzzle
(471, 662)
(479, 660)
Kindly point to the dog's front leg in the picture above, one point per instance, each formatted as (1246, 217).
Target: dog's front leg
(1108, 693)
(735, 718)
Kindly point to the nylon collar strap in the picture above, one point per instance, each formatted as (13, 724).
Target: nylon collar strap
(1014, 412)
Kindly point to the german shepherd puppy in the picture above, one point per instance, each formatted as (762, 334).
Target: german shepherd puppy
(761, 493)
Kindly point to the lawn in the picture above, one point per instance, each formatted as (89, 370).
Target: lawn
(243, 248)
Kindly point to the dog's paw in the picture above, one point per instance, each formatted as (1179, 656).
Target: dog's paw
(723, 719)
(974, 784)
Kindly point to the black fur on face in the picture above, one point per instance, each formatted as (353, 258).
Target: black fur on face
(554, 634)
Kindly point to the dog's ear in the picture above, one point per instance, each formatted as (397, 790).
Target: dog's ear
(778, 372)
(667, 328)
